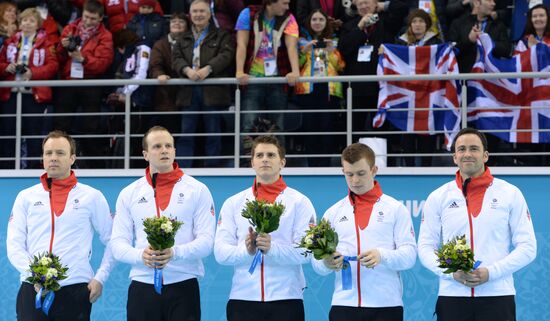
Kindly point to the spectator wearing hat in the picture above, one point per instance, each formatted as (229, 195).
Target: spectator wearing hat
(418, 31)
(119, 12)
(150, 26)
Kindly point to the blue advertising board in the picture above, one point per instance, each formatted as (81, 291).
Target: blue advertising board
(420, 286)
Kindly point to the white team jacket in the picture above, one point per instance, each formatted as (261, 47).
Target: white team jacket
(504, 220)
(192, 204)
(390, 231)
(29, 232)
(280, 276)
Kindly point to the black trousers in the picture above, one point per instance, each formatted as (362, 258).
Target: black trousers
(71, 303)
(283, 310)
(344, 313)
(178, 302)
(493, 308)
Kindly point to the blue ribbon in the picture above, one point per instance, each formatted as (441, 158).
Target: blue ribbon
(38, 299)
(158, 281)
(48, 301)
(477, 264)
(257, 259)
(346, 272)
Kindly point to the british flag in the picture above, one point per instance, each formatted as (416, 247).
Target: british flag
(440, 96)
(494, 103)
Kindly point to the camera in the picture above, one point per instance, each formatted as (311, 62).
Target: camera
(321, 44)
(74, 42)
(372, 20)
(20, 69)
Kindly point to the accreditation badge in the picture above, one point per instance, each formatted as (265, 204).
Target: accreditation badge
(270, 66)
(77, 70)
(364, 54)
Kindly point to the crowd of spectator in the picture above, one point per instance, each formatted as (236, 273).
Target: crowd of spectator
(200, 39)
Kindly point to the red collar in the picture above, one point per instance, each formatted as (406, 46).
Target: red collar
(363, 204)
(59, 191)
(475, 190)
(476, 183)
(268, 192)
(65, 184)
(164, 185)
(369, 197)
(169, 178)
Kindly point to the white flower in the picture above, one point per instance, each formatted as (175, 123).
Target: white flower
(45, 261)
(166, 227)
(308, 239)
(51, 273)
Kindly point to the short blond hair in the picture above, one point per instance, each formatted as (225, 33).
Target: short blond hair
(31, 12)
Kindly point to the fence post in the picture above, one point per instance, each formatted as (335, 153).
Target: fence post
(464, 105)
(127, 139)
(237, 136)
(349, 116)
(18, 115)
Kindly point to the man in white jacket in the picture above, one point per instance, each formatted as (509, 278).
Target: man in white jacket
(59, 216)
(164, 191)
(274, 289)
(376, 241)
(496, 221)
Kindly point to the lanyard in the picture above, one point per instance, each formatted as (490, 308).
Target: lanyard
(269, 35)
(26, 50)
(483, 25)
(201, 38)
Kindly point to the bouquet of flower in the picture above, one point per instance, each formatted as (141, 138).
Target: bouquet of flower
(161, 231)
(161, 234)
(46, 271)
(264, 216)
(320, 240)
(456, 255)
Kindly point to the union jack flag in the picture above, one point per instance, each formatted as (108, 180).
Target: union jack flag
(493, 103)
(440, 96)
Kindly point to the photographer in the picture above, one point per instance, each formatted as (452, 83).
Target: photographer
(85, 52)
(360, 40)
(319, 58)
(27, 55)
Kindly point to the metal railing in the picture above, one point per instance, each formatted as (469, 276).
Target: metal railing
(237, 134)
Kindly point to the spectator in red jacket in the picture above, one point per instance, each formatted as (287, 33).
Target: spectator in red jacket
(120, 12)
(85, 52)
(27, 55)
(55, 13)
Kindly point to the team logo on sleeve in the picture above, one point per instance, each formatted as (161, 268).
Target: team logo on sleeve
(528, 215)
(212, 210)
(11, 217)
